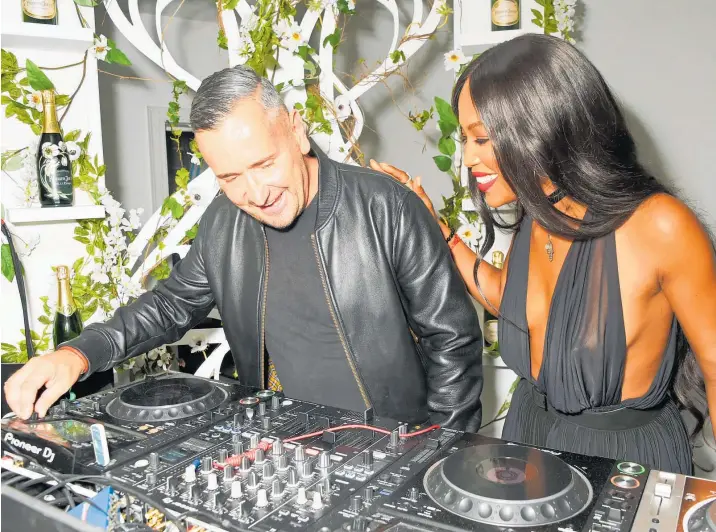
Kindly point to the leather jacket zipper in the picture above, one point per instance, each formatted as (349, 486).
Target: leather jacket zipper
(262, 336)
(351, 362)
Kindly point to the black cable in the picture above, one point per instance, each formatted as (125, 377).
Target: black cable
(21, 287)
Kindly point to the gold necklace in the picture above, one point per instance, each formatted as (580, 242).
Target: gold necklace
(549, 248)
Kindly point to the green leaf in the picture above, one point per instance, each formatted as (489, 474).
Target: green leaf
(222, 41)
(62, 99)
(24, 82)
(8, 270)
(191, 233)
(334, 39)
(446, 146)
(36, 128)
(9, 63)
(446, 128)
(117, 57)
(344, 8)
(397, 56)
(537, 14)
(182, 177)
(445, 112)
(72, 135)
(86, 3)
(13, 163)
(443, 162)
(280, 86)
(37, 78)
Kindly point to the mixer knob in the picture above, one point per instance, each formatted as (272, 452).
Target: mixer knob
(96, 407)
(402, 429)
(325, 487)
(253, 480)
(223, 455)
(317, 501)
(282, 462)
(228, 473)
(253, 441)
(276, 489)
(259, 456)
(262, 409)
(277, 448)
(275, 403)
(211, 482)
(301, 497)
(171, 485)
(356, 503)
(261, 499)
(413, 494)
(236, 489)
(359, 524)
(153, 461)
(250, 413)
(206, 464)
(368, 494)
(300, 453)
(239, 509)
(268, 470)
(238, 420)
(190, 474)
(194, 493)
(245, 464)
(213, 499)
(306, 469)
(368, 460)
(64, 404)
(151, 478)
(266, 423)
(394, 439)
(237, 447)
(292, 476)
(324, 459)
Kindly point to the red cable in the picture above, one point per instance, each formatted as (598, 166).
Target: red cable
(421, 431)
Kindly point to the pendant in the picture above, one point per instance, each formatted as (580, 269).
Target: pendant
(549, 248)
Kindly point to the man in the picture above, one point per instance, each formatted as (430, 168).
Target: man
(323, 272)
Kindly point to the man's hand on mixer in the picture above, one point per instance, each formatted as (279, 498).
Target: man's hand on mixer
(57, 372)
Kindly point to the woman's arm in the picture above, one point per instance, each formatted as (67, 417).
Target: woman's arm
(687, 275)
(490, 277)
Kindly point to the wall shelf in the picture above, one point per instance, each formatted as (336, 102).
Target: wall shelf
(28, 35)
(30, 215)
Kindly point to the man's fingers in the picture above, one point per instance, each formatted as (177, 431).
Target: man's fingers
(25, 391)
(49, 396)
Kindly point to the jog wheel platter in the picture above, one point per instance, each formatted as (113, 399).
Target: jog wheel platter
(166, 399)
(505, 484)
(702, 518)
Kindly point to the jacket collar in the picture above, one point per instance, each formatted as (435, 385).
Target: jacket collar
(328, 185)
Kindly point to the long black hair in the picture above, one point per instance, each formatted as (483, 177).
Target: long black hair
(548, 112)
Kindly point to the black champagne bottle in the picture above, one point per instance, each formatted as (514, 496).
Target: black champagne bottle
(39, 11)
(54, 168)
(68, 323)
(505, 15)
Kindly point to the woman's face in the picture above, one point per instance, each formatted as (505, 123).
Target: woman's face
(479, 156)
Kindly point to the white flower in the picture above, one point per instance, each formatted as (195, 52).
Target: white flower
(343, 107)
(98, 274)
(290, 34)
(50, 150)
(470, 235)
(199, 345)
(35, 101)
(133, 222)
(454, 59)
(73, 150)
(251, 22)
(100, 48)
(194, 159)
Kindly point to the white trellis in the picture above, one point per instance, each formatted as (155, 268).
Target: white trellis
(203, 188)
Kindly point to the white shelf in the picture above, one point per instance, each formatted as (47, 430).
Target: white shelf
(28, 35)
(29, 215)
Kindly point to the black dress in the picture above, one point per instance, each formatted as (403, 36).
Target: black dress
(575, 404)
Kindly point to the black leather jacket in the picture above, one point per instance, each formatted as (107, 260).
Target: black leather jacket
(386, 271)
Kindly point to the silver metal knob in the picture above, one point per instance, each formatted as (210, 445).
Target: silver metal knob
(253, 480)
(228, 473)
(237, 447)
(282, 462)
(262, 409)
(223, 455)
(254, 441)
(356, 503)
(236, 491)
(268, 470)
(402, 429)
(277, 448)
(245, 464)
(300, 453)
(292, 476)
(394, 439)
(266, 423)
(368, 460)
(324, 459)
(153, 461)
(275, 403)
(259, 456)
(306, 469)
(206, 464)
(276, 489)
(261, 499)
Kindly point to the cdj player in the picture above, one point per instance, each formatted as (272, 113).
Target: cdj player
(178, 452)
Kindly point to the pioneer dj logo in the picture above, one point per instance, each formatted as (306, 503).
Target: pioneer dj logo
(46, 453)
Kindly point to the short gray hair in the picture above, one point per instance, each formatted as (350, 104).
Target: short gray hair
(219, 93)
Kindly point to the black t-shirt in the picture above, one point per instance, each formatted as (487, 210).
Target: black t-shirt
(301, 337)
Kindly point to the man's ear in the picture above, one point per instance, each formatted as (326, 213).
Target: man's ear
(299, 130)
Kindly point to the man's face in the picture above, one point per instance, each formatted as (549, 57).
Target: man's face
(258, 157)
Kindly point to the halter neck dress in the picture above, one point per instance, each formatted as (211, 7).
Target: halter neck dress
(575, 403)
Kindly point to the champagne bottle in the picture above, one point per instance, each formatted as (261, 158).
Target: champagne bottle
(505, 15)
(54, 168)
(68, 323)
(39, 11)
(490, 330)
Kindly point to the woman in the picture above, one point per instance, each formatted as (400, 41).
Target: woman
(607, 269)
